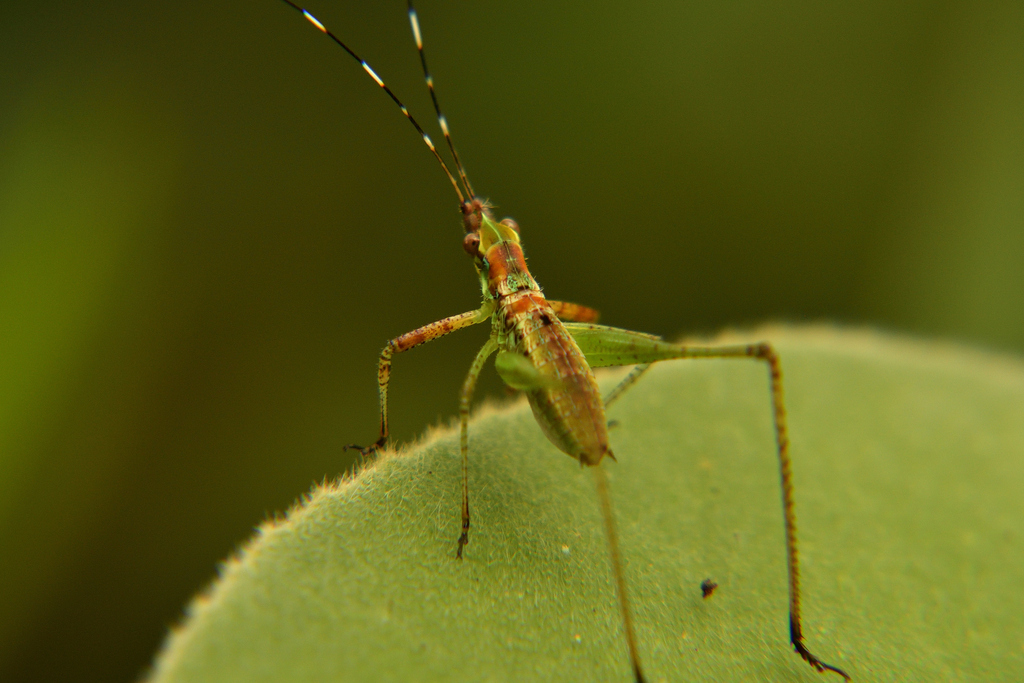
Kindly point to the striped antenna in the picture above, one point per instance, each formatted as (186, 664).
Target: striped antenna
(366, 67)
(441, 120)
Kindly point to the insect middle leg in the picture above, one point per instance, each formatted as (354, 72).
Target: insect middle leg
(607, 346)
(407, 341)
(465, 398)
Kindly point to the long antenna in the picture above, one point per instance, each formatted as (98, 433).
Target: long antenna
(366, 67)
(441, 120)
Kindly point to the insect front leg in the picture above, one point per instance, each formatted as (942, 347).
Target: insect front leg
(570, 312)
(407, 341)
(609, 346)
(465, 398)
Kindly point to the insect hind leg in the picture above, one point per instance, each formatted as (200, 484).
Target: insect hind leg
(609, 346)
(608, 517)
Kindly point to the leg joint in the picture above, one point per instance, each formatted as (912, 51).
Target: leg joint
(764, 351)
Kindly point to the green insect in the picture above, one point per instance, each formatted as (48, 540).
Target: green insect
(548, 349)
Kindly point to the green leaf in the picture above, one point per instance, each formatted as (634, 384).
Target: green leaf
(909, 471)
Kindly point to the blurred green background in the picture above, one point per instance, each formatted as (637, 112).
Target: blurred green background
(211, 220)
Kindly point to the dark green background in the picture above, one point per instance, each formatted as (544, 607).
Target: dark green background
(211, 220)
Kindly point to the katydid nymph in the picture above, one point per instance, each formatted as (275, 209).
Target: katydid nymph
(548, 350)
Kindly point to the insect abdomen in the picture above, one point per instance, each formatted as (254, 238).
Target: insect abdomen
(569, 409)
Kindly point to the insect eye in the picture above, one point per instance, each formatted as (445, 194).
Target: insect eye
(471, 243)
(472, 212)
(508, 222)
